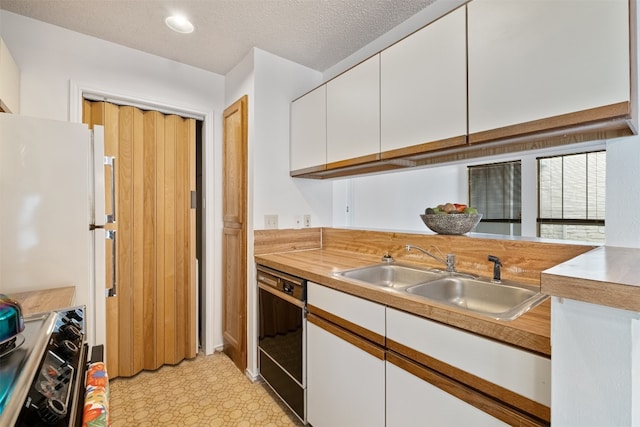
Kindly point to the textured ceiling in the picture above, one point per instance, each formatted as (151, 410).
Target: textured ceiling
(315, 33)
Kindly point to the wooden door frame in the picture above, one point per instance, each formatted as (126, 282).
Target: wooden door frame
(78, 91)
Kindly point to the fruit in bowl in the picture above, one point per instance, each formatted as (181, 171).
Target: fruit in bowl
(451, 208)
(451, 218)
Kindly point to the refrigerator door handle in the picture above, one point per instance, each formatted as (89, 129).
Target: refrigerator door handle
(111, 292)
(111, 161)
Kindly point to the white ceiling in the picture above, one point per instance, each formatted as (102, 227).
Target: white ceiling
(314, 33)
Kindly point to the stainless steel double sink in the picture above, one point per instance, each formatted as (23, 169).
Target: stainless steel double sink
(504, 301)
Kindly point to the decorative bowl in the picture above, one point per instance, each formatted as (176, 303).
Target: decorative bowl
(460, 223)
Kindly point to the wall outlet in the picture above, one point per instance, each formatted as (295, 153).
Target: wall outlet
(297, 221)
(270, 222)
(307, 220)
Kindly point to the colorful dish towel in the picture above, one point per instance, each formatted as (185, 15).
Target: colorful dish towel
(96, 401)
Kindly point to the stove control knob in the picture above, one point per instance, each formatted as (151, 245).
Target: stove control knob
(74, 315)
(52, 410)
(70, 332)
(68, 348)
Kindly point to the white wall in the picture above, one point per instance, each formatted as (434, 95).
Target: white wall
(271, 83)
(278, 81)
(240, 81)
(393, 200)
(50, 58)
(623, 192)
(592, 366)
(596, 349)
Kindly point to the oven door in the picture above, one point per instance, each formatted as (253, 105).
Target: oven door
(281, 346)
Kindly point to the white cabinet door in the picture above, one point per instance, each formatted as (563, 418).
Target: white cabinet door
(519, 371)
(309, 130)
(353, 112)
(532, 59)
(411, 401)
(423, 85)
(345, 385)
(345, 373)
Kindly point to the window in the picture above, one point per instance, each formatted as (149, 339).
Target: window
(495, 190)
(571, 196)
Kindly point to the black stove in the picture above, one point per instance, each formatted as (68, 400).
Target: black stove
(42, 373)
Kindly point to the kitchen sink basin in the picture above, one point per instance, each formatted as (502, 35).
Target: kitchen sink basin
(391, 275)
(499, 301)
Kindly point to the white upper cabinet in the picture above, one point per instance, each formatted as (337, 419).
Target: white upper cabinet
(353, 113)
(9, 81)
(309, 130)
(423, 85)
(532, 59)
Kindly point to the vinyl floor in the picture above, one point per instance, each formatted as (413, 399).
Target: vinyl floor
(205, 391)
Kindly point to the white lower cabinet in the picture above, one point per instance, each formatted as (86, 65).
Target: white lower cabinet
(345, 372)
(521, 372)
(412, 401)
(345, 385)
(479, 377)
(371, 365)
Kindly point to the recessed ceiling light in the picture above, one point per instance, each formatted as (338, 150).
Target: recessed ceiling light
(179, 24)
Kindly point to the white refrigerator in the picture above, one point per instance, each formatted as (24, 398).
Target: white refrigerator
(52, 212)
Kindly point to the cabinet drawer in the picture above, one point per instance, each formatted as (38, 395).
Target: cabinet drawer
(360, 312)
(518, 371)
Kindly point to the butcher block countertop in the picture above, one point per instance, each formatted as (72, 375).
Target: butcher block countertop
(45, 300)
(531, 331)
(607, 276)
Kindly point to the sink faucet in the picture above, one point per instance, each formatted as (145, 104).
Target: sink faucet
(496, 268)
(450, 262)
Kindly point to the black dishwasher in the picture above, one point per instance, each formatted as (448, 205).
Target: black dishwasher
(282, 336)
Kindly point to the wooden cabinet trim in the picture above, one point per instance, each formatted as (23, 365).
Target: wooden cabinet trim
(620, 110)
(609, 294)
(355, 161)
(309, 170)
(469, 395)
(348, 336)
(426, 147)
(347, 325)
(359, 169)
(490, 389)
